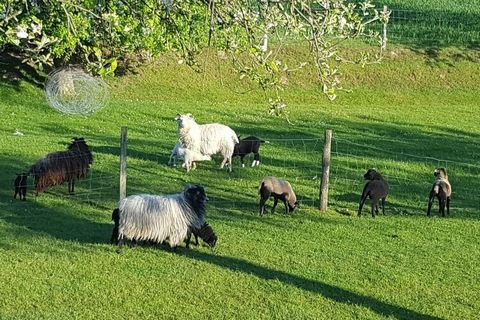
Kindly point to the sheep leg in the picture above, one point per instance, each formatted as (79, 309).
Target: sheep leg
(230, 164)
(374, 205)
(383, 206)
(262, 205)
(15, 195)
(223, 162)
(120, 245)
(448, 206)
(362, 202)
(430, 202)
(442, 207)
(71, 186)
(286, 206)
(241, 160)
(187, 241)
(133, 244)
(114, 237)
(275, 202)
(256, 159)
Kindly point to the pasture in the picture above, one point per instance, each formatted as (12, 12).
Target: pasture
(405, 116)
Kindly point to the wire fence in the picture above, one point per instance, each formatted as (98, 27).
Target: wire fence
(98, 187)
(424, 28)
(297, 160)
(406, 166)
(409, 175)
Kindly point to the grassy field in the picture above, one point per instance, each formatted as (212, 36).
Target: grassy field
(404, 117)
(433, 23)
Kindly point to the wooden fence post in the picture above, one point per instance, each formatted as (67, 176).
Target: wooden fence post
(123, 163)
(384, 30)
(325, 170)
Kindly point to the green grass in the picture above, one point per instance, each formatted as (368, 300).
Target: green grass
(56, 263)
(436, 23)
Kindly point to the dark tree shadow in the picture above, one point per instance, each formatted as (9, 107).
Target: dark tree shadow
(13, 71)
(326, 290)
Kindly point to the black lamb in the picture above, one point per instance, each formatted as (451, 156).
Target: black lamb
(376, 189)
(442, 190)
(21, 186)
(205, 232)
(246, 146)
(63, 166)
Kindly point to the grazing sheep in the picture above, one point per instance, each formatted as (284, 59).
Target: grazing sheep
(189, 156)
(63, 166)
(205, 232)
(207, 139)
(442, 190)
(21, 186)
(278, 189)
(246, 146)
(159, 218)
(376, 188)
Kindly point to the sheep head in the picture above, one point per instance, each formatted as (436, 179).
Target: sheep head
(196, 197)
(185, 121)
(372, 174)
(440, 173)
(291, 208)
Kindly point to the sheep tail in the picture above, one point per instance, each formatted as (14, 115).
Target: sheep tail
(235, 138)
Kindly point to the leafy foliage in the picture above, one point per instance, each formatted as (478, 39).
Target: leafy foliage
(104, 35)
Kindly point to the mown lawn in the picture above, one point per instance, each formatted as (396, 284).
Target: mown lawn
(404, 117)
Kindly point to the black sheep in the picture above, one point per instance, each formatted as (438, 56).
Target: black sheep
(376, 189)
(63, 166)
(442, 190)
(21, 186)
(246, 146)
(205, 232)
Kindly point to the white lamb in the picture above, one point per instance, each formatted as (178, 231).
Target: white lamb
(189, 157)
(208, 139)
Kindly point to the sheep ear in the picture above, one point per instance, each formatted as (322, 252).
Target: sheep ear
(177, 117)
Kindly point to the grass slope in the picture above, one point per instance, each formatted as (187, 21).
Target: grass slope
(401, 116)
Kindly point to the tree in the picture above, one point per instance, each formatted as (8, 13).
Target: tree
(107, 36)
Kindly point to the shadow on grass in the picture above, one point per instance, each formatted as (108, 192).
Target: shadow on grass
(13, 71)
(326, 290)
(63, 223)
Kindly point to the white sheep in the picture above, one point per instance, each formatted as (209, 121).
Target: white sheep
(207, 139)
(189, 157)
(157, 218)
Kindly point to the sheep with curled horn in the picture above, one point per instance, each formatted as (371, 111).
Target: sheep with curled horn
(278, 189)
(63, 166)
(160, 218)
(376, 189)
(442, 190)
(207, 139)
